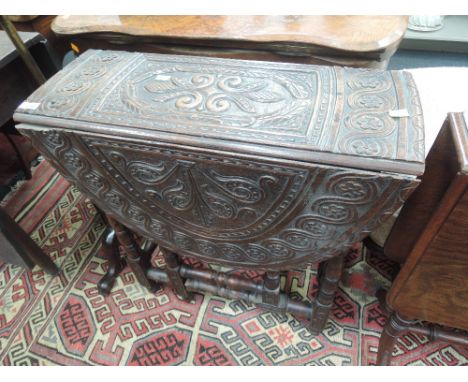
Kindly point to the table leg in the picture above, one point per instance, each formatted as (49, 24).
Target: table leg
(173, 273)
(133, 254)
(329, 275)
(271, 288)
(24, 250)
(396, 326)
(110, 248)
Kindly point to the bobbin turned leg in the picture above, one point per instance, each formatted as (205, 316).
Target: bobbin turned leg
(133, 255)
(173, 273)
(395, 327)
(329, 274)
(271, 288)
(110, 249)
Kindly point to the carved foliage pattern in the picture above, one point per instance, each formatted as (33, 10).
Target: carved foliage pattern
(296, 106)
(336, 208)
(213, 95)
(198, 194)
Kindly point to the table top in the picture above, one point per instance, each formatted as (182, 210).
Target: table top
(8, 51)
(368, 119)
(345, 33)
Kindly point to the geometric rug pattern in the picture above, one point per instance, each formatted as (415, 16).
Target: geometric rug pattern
(63, 320)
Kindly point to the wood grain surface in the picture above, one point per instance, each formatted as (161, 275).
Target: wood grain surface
(433, 283)
(348, 33)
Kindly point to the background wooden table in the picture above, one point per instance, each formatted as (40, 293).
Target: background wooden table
(432, 228)
(361, 41)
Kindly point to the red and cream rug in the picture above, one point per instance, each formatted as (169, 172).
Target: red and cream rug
(63, 320)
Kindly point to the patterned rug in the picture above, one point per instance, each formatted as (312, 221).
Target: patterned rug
(63, 320)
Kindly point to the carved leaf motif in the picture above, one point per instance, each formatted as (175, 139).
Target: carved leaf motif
(129, 99)
(296, 90)
(180, 195)
(313, 226)
(243, 189)
(367, 122)
(94, 180)
(153, 173)
(265, 96)
(160, 86)
(371, 101)
(366, 147)
(220, 206)
(243, 103)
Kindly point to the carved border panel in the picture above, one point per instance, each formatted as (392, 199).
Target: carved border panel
(279, 105)
(210, 196)
(329, 208)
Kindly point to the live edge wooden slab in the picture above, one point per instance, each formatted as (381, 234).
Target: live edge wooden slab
(256, 165)
(360, 41)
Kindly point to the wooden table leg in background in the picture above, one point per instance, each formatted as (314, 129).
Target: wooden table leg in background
(18, 248)
(396, 326)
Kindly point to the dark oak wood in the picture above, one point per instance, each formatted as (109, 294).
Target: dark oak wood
(173, 273)
(363, 41)
(432, 285)
(329, 274)
(110, 250)
(135, 259)
(255, 165)
(271, 288)
(19, 249)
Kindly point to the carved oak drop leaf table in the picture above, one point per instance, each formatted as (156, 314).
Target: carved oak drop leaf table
(253, 165)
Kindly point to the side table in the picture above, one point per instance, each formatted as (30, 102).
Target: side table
(432, 285)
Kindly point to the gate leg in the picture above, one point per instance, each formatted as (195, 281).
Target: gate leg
(133, 255)
(173, 272)
(329, 274)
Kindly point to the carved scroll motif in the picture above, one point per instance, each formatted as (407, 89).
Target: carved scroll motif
(174, 184)
(368, 122)
(219, 199)
(279, 105)
(192, 94)
(331, 210)
(66, 97)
